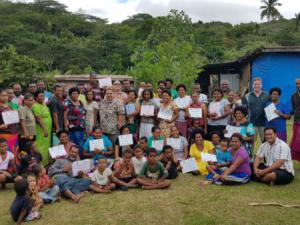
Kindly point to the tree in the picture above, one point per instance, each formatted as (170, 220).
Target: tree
(17, 68)
(297, 20)
(269, 10)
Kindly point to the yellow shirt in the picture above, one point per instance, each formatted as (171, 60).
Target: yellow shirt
(82, 98)
(196, 153)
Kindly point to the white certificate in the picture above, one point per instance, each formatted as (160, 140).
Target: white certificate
(215, 107)
(158, 145)
(206, 157)
(174, 142)
(130, 108)
(147, 110)
(57, 151)
(82, 165)
(270, 112)
(125, 140)
(140, 91)
(195, 112)
(183, 102)
(10, 117)
(188, 165)
(165, 114)
(105, 82)
(231, 130)
(97, 143)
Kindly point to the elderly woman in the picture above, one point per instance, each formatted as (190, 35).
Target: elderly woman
(168, 114)
(283, 112)
(239, 171)
(182, 101)
(200, 145)
(44, 124)
(111, 115)
(246, 128)
(74, 118)
(8, 132)
(118, 93)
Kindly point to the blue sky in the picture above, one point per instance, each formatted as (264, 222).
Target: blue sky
(233, 11)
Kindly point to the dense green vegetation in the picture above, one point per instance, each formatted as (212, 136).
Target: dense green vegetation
(42, 37)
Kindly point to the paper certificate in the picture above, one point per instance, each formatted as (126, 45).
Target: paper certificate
(96, 144)
(10, 117)
(195, 112)
(215, 107)
(165, 114)
(130, 108)
(270, 112)
(57, 151)
(231, 130)
(82, 165)
(174, 142)
(158, 145)
(105, 82)
(147, 110)
(125, 140)
(182, 102)
(206, 157)
(188, 165)
(140, 91)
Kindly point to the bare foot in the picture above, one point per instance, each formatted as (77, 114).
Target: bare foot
(205, 183)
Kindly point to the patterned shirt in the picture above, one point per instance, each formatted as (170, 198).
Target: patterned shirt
(109, 112)
(76, 115)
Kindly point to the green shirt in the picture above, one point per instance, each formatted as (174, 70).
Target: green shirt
(154, 172)
(173, 93)
(13, 106)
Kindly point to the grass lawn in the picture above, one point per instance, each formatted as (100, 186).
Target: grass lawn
(184, 203)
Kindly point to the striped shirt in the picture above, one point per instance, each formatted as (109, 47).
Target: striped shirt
(278, 151)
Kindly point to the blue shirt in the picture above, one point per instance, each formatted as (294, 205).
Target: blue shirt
(107, 143)
(279, 123)
(223, 157)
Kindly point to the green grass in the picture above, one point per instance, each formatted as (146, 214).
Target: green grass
(184, 203)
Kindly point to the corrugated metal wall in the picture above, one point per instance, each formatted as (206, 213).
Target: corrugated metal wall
(233, 80)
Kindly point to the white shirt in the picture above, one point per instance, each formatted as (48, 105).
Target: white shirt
(179, 150)
(101, 179)
(4, 163)
(138, 164)
(203, 98)
(278, 151)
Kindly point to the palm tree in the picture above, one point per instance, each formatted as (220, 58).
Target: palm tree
(269, 9)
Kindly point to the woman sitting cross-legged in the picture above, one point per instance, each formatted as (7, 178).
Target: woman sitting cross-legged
(239, 170)
(153, 175)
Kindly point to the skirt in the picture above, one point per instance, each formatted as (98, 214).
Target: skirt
(295, 143)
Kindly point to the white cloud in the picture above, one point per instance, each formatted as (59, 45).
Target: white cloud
(234, 11)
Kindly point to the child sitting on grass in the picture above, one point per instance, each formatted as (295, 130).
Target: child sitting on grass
(138, 160)
(102, 176)
(153, 175)
(223, 157)
(48, 191)
(21, 207)
(169, 161)
(34, 194)
(124, 175)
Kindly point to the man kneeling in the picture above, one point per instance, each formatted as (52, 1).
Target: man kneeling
(278, 167)
(153, 174)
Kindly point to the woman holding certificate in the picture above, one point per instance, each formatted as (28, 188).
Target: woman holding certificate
(182, 101)
(132, 109)
(168, 114)
(218, 112)
(200, 146)
(147, 112)
(44, 124)
(197, 111)
(246, 128)
(8, 129)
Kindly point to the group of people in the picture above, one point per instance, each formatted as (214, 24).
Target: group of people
(143, 138)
